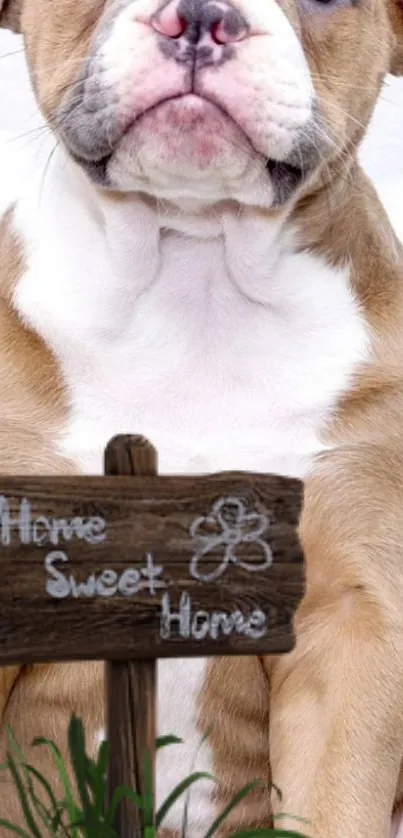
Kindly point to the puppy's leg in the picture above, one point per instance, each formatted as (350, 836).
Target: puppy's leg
(39, 700)
(40, 703)
(234, 709)
(337, 699)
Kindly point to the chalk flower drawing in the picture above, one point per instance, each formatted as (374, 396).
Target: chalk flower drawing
(229, 525)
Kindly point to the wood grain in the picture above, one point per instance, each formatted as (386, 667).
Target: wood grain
(131, 455)
(131, 684)
(131, 734)
(144, 515)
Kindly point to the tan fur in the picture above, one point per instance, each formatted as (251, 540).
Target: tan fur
(349, 225)
(395, 11)
(348, 662)
(32, 397)
(32, 408)
(335, 740)
(69, 29)
(11, 14)
(336, 700)
(242, 758)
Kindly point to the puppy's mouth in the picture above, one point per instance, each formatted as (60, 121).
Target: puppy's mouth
(186, 133)
(285, 177)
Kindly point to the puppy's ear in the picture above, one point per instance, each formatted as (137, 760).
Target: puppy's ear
(10, 14)
(396, 16)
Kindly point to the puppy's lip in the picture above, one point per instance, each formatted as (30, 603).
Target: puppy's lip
(286, 176)
(127, 124)
(189, 99)
(279, 170)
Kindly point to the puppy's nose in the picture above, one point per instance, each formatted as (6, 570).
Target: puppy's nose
(190, 20)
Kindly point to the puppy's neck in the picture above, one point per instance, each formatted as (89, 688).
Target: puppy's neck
(101, 251)
(119, 241)
(127, 232)
(215, 321)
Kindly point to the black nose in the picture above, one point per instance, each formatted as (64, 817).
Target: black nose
(191, 20)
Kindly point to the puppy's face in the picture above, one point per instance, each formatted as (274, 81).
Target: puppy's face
(208, 99)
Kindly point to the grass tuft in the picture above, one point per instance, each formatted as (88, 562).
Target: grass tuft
(84, 810)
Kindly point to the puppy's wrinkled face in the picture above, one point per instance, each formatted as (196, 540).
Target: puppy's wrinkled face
(208, 99)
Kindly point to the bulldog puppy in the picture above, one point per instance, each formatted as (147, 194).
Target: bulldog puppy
(202, 260)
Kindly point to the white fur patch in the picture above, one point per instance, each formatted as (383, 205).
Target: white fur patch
(177, 715)
(206, 332)
(397, 825)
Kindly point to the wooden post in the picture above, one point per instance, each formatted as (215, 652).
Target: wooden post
(130, 684)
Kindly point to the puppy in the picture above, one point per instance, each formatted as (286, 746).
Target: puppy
(202, 260)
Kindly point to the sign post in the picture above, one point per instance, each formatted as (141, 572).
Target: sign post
(132, 566)
(130, 684)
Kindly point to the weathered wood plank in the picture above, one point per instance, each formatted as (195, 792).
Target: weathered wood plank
(131, 684)
(147, 548)
(131, 734)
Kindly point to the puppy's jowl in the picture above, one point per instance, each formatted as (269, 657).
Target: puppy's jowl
(202, 260)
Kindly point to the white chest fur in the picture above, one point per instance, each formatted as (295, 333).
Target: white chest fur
(206, 332)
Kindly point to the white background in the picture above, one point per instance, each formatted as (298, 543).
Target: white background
(382, 152)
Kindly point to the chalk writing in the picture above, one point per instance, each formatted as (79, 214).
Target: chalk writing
(43, 530)
(227, 526)
(199, 625)
(217, 540)
(106, 584)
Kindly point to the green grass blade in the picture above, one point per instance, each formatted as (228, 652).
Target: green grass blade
(13, 828)
(163, 741)
(100, 778)
(119, 794)
(178, 791)
(45, 785)
(13, 743)
(58, 826)
(278, 791)
(90, 770)
(282, 815)
(185, 819)
(39, 807)
(23, 799)
(78, 759)
(228, 809)
(105, 831)
(102, 830)
(62, 772)
(91, 778)
(79, 762)
(148, 793)
(50, 818)
(77, 820)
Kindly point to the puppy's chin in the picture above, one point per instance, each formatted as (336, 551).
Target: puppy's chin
(188, 148)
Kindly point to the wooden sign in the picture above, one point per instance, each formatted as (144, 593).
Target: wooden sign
(117, 567)
(132, 566)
